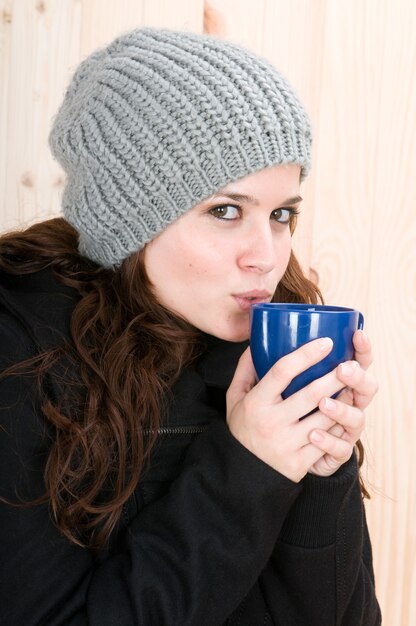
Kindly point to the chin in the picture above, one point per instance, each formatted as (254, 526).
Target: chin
(234, 335)
(241, 336)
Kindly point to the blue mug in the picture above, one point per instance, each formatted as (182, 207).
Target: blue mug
(279, 328)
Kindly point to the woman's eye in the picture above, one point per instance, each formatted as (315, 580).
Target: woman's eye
(283, 216)
(225, 212)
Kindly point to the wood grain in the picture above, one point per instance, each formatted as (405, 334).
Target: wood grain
(353, 63)
(366, 252)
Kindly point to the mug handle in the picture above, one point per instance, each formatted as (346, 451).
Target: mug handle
(360, 321)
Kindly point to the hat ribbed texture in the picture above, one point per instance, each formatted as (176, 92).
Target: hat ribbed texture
(159, 120)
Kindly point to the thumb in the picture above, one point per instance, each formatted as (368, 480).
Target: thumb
(243, 380)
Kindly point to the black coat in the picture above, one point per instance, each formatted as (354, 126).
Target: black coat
(212, 535)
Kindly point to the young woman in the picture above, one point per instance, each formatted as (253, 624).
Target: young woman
(147, 478)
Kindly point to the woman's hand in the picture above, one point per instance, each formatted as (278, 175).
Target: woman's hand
(269, 426)
(347, 411)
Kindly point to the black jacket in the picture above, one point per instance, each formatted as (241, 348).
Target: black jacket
(212, 535)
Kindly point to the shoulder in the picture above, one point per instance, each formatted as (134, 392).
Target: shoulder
(35, 314)
(35, 311)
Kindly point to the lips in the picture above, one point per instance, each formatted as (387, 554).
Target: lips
(246, 300)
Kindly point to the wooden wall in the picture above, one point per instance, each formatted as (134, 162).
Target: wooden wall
(353, 63)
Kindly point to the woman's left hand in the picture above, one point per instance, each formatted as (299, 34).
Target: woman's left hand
(347, 412)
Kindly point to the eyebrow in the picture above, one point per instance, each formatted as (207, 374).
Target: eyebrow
(239, 197)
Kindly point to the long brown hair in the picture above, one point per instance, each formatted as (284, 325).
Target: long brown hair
(128, 350)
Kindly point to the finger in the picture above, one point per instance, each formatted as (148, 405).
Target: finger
(363, 384)
(316, 421)
(306, 399)
(337, 430)
(351, 418)
(284, 371)
(337, 448)
(346, 396)
(243, 380)
(362, 349)
(309, 454)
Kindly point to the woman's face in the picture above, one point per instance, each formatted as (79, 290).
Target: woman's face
(227, 252)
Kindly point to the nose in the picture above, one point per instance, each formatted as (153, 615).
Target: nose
(258, 251)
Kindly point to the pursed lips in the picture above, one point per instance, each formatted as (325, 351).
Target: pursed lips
(247, 299)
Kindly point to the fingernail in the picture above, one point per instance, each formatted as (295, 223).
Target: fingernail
(329, 404)
(346, 369)
(325, 343)
(316, 436)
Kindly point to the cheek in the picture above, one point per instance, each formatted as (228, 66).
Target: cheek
(183, 259)
(285, 249)
(204, 260)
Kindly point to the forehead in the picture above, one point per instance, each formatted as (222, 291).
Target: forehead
(277, 183)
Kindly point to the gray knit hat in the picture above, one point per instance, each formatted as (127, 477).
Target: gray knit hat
(159, 120)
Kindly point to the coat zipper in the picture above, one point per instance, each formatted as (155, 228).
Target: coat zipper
(178, 430)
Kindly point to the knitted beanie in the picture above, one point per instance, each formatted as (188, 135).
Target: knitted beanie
(159, 120)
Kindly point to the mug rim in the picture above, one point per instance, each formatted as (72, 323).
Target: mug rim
(300, 307)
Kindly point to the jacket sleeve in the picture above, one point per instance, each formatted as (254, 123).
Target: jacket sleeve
(320, 571)
(188, 558)
(323, 555)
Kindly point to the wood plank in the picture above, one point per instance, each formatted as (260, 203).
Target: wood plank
(6, 13)
(365, 246)
(353, 63)
(185, 15)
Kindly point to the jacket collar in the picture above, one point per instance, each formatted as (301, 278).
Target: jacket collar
(219, 361)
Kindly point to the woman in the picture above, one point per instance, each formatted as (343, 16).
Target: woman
(147, 479)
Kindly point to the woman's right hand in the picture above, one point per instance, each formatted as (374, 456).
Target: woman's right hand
(269, 426)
